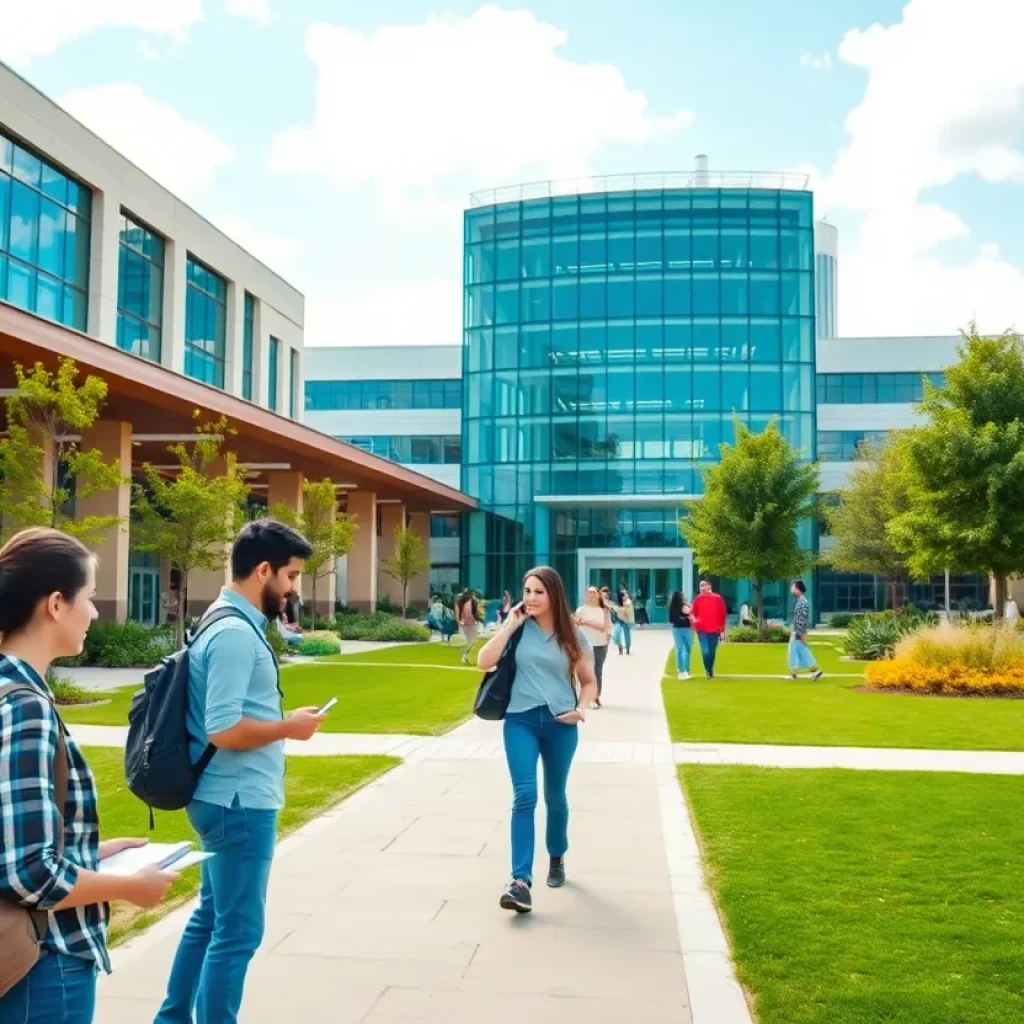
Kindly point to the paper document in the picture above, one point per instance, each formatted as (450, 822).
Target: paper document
(167, 856)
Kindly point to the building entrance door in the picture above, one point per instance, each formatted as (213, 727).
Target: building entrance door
(650, 588)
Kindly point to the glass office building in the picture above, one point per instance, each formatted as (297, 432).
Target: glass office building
(611, 341)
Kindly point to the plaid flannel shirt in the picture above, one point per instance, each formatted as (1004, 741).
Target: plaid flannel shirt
(801, 615)
(31, 873)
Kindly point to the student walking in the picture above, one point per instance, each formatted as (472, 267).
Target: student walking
(708, 616)
(465, 611)
(800, 656)
(235, 704)
(506, 607)
(625, 617)
(682, 632)
(51, 846)
(595, 619)
(551, 657)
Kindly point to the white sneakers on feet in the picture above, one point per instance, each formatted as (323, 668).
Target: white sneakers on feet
(683, 675)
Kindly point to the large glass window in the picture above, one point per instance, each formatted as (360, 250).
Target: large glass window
(293, 381)
(874, 388)
(140, 289)
(248, 341)
(44, 236)
(274, 364)
(414, 449)
(206, 299)
(383, 394)
(842, 445)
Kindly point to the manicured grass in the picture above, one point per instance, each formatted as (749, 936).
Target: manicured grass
(765, 659)
(387, 699)
(312, 785)
(868, 897)
(411, 654)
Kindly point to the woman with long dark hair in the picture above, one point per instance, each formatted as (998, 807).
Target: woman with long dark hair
(465, 613)
(51, 848)
(554, 684)
(682, 632)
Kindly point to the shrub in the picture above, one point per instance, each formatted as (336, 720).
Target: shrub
(65, 691)
(842, 620)
(319, 644)
(379, 626)
(122, 645)
(398, 631)
(955, 659)
(874, 635)
(278, 644)
(770, 634)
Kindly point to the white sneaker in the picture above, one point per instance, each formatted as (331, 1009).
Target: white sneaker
(683, 675)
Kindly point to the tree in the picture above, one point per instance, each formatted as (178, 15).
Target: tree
(754, 499)
(409, 562)
(965, 467)
(876, 494)
(191, 518)
(43, 468)
(328, 531)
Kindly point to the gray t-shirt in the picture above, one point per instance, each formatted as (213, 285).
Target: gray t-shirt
(542, 672)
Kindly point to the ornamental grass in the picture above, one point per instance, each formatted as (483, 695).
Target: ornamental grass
(955, 660)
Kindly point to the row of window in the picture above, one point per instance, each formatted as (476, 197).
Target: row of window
(613, 297)
(862, 592)
(445, 449)
(444, 526)
(383, 394)
(843, 445)
(867, 388)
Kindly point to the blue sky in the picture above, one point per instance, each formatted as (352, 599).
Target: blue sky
(339, 140)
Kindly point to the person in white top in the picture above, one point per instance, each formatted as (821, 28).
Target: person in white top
(1011, 612)
(595, 619)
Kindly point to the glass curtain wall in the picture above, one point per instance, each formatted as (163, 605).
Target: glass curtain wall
(44, 236)
(248, 332)
(206, 298)
(610, 342)
(140, 289)
(383, 394)
(274, 359)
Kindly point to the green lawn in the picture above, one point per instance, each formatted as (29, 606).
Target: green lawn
(411, 654)
(868, 897)
(832, 712)
(312, 785)
(424, 701)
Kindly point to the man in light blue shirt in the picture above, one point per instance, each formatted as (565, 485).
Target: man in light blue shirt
(235, 704)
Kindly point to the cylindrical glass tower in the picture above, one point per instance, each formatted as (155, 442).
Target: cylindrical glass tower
(610, 340)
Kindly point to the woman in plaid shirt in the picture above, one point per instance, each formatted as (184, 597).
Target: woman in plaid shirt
(47, 582)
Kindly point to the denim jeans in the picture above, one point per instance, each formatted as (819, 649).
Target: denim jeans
(529, 735)
(622, 635)
(226, 929)
(800, 655)
(683, 637)
(60, 989)
(708, 648)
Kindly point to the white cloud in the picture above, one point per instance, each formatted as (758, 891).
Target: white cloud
(944, 98)
(32, 30)
(276, 251)
(181, 155)
(258, 10)
(816, 62)
(424, 113)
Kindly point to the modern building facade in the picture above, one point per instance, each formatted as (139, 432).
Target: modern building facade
(101, 264)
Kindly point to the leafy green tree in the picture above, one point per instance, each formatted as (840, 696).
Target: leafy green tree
(965, 467)
(410, 561)
(876, 494)
(191, 518)
(329, 532)
(745, 526)
(42, 467)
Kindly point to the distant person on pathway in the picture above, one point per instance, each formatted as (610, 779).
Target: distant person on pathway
(51, 846)
(506, 607)
(1011, 613)
(745, 618)
(800, 656)
(553, 656)
(465, 612)
(595, 619)
(708, 616)
(235, 704)
(622, 634)
(682, 632)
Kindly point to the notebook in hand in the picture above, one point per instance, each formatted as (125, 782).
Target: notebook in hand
(166, 856)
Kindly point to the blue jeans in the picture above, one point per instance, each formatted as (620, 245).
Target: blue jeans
(60, 989)
(622, 635)
(708, 649)
(683, 637)
(226, 929)
(529, 735)
(800, 655)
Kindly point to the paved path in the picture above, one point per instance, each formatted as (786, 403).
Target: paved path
(385, 909)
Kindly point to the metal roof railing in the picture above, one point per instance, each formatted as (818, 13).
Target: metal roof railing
(652, 181)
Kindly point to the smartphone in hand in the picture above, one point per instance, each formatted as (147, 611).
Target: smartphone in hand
(327, 707)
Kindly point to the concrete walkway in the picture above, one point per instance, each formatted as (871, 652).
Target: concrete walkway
(386, 909)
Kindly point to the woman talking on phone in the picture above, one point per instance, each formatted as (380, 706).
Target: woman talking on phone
(551, 658)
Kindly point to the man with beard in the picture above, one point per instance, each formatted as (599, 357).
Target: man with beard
(235, 704)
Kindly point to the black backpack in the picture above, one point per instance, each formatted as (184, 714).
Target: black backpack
(157, 764)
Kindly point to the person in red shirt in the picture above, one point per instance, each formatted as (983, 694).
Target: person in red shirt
(708, 617)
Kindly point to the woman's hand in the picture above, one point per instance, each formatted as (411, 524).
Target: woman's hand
(572, 717)
(516, 617)
(111, 846)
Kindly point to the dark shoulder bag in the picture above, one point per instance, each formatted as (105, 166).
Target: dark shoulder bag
(495, 690)
(22, 930)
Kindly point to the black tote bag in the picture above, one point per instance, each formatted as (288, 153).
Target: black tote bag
(495, 690)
